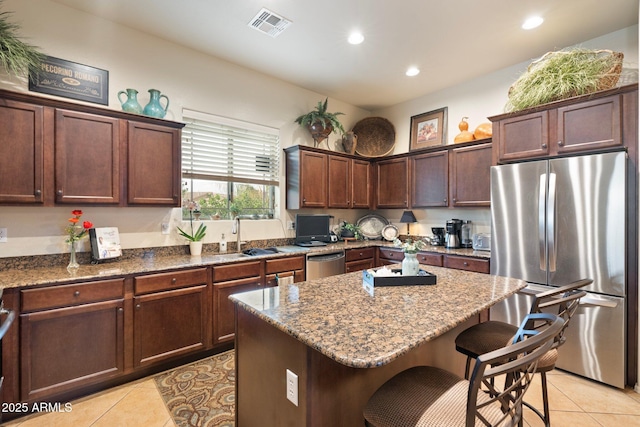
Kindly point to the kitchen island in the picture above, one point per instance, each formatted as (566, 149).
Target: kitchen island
(343, 343)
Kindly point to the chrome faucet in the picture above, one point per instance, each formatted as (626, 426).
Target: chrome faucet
(235, 229)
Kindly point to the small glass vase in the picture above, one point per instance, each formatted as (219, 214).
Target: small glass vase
(73, 263)
(410, 265)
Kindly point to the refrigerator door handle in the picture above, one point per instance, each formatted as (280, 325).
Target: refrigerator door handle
(592, 302)
(551, 222)
(541, 220)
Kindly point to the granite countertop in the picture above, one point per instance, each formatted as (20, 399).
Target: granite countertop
(338, 318)
(34, 276)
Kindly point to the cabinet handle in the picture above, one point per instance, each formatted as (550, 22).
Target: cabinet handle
(38, 192)
(304, 200)
(560, 143)
(544, 145)
(59, 192)
(444, 200)
(174, 280)
(120, 309)
(454, 200)
(137, 306)
(76, 294)
(465, 263)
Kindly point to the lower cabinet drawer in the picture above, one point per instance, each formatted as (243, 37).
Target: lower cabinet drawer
(359, 254)
(284, 264)
(167, 281)
(70, 295)
(429, 258)
(359, 265)
(465, 263)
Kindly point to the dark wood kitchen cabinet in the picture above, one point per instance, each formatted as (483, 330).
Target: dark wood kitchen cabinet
(339, 188)
(430, 179)
(349, 183)
(21, 152)
(284, 267)
(479, 265)
(470, 175)
(153, 165)
(392, 183)
(357, 259)
(227, 280)
(87, 158)
(387, 256)
(55, 152)
(171, 315)
(578, 125)
(71, 336)
(306, 178)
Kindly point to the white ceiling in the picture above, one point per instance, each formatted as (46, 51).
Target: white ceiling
(449, 40)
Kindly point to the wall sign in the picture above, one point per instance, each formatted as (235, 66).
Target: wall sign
(71, 80)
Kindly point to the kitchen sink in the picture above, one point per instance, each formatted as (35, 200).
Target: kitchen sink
(260, 251)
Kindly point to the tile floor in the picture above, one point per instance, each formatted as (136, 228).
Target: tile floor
(574, 401)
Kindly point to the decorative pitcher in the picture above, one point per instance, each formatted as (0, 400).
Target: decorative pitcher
(154, 108)
(131, 104)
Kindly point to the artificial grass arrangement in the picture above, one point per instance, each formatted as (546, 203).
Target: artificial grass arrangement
(563, 74)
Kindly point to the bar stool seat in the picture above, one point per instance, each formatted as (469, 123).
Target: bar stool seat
(491, 335)
(425, 396)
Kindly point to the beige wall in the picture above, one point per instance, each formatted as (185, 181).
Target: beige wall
(193, 80)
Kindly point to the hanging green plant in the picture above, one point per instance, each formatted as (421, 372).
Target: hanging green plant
(16, 56)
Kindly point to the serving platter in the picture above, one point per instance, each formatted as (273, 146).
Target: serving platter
(390, 232)
(371, 226)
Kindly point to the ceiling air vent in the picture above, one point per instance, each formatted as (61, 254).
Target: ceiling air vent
(269, 23)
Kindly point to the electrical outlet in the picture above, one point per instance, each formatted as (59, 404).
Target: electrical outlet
(292, 387)
(165, 228)
(3, 235)
(291, 225)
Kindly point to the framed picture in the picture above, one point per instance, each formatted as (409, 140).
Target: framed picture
(429, 129)
(68, 79)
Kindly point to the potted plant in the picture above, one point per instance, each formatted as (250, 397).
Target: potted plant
(194, 238)
(320, 123)
(348, 230)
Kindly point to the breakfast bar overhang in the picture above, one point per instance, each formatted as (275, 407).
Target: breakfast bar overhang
(343, 343)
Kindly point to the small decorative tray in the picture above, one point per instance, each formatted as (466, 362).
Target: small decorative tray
(369, 281)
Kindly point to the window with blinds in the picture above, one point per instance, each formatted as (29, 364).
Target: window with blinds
(229, 167)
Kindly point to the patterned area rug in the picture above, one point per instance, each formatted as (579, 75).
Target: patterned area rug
(201, 394)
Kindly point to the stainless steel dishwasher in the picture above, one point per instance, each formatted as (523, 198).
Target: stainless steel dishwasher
(325, 264)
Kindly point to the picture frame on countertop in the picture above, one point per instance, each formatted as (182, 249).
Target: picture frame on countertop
(429, 129)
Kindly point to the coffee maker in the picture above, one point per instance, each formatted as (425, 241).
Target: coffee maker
(452, 236)
(438, 236)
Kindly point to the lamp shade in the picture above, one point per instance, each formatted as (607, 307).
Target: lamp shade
(408, 217)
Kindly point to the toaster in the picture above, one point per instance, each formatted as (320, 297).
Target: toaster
(482, 242)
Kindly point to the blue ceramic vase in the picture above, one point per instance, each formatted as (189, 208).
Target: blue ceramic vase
(154, 108)
(130, 104)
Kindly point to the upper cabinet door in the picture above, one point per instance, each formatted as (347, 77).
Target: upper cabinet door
(470, 181)
(522, 137)
(87, 158)
(392, 183)
(21, 153)
(361, 186)
(430, 179)
(590, 125)
(153, 176)
(338, 195)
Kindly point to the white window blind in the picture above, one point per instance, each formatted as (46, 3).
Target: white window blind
(218, 148)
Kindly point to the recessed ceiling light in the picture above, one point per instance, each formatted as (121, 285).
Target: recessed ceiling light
(533, 22)
(356, 38)
(412, 71)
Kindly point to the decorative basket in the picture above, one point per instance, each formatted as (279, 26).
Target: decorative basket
(376, 137)
(565, 74)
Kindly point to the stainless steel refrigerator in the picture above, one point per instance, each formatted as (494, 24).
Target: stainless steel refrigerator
(556, 221)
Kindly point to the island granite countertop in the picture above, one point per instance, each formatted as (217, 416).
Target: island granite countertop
(338, 318)
(31, 274)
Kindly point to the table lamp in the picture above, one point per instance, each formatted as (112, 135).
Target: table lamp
(408, 217)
